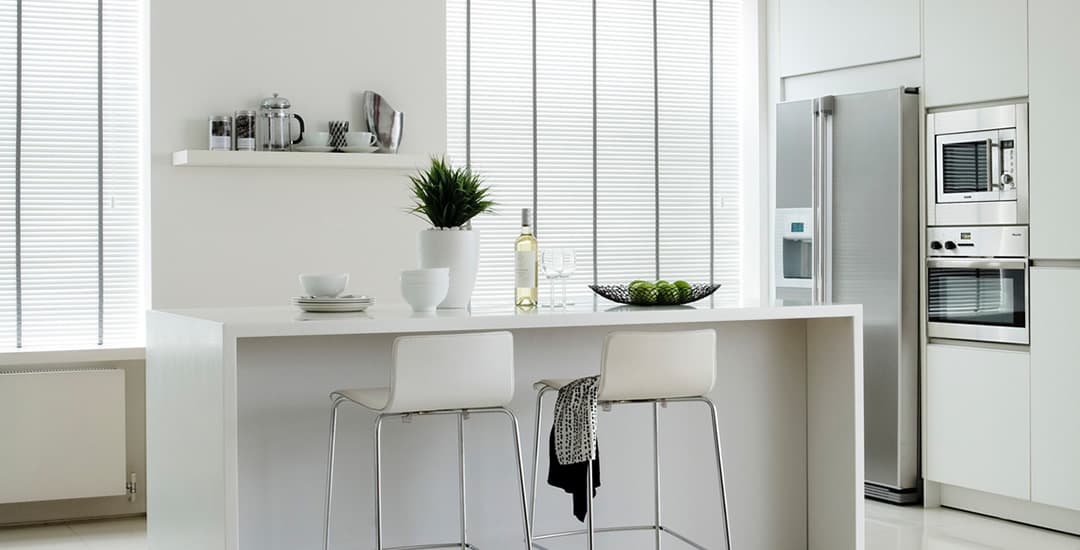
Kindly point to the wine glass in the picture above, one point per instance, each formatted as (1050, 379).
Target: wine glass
(568, 266)
(550, 266)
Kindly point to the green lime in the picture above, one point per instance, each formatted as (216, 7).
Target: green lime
(666, 293)
(643, 294)
(685, 290)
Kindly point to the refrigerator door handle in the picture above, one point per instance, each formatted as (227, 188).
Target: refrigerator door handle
(815, 202)
(826, 198)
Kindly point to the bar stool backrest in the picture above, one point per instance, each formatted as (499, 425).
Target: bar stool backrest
(657, 365)
(452, 371)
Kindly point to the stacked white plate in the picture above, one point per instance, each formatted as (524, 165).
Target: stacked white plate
(340, 304)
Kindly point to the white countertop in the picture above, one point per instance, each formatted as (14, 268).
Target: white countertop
(255, 322)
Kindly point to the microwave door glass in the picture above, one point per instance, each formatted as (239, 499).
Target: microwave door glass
(993, 297)
(966, 167)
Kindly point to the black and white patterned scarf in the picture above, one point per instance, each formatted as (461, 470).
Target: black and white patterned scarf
(575, 421)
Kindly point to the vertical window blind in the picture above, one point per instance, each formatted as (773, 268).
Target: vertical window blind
(618, 121)
(70, 174)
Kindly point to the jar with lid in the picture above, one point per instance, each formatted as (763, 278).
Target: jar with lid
(221, 131)
(244, 130)
(275, 125)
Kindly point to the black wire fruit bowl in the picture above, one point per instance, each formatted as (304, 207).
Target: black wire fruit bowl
(623, 294)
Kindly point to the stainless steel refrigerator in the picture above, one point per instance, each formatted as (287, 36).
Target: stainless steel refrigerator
(846, 231)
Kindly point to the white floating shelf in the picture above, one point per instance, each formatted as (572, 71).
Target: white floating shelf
(296, 159)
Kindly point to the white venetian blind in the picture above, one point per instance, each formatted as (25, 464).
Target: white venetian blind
(602, 115)
(70, 171)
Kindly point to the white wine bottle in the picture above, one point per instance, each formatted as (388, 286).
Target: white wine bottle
(525, 276)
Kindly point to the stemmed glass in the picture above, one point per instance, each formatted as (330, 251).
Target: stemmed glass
(568, 265)
(551, 264)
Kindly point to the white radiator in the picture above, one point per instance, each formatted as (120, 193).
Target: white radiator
(62, 434)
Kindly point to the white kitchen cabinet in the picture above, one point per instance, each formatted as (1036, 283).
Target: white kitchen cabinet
(974, 50)
(816, 36)
(978, 422)
(1055, 386)
(1054, 116)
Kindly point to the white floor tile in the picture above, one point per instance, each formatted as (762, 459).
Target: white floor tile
(887, 528)
(46, 537)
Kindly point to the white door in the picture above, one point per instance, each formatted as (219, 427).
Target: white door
(974, 50)
(977, 419)
(1055, 386)
(1054, 117)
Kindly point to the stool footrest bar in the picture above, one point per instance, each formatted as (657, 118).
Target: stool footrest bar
(427, 546)
(682, 538)
(598, 530)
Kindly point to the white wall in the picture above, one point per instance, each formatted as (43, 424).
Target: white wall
(240, 236)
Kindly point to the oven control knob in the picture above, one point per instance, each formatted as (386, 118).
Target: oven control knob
(949, 245)
(1007, 180)
(936, 245)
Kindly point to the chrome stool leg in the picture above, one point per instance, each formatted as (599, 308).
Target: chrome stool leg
(656, 471)
(536, 457)
(521, 475)
(330, 470)
(461, 475)
(378, 482)
(720, 469)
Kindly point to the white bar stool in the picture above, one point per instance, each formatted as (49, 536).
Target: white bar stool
(460, 374)
(645, 367)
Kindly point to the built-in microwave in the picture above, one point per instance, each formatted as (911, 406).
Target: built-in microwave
(977, 284)
(977, 161)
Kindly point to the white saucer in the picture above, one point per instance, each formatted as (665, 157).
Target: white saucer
(313, 148)
(361, 149)
(347, 299)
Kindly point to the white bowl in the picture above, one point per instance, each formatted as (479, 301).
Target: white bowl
(324, 285)
(424, 292)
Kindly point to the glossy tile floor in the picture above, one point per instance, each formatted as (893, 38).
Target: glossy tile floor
(887, 528)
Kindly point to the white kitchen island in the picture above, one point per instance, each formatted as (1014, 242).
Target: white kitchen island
(238, 412)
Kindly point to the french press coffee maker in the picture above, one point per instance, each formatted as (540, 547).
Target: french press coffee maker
(275, 125)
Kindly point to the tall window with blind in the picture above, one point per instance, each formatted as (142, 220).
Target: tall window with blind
(70, 174)
(618, 121)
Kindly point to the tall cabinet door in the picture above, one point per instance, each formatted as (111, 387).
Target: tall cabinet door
(1054, 117)
(974, 50)
(820, 36)
(1055, 386)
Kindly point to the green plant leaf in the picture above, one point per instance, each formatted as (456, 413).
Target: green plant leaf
(448, 197)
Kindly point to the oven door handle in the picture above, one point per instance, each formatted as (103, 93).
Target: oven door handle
(972, 263)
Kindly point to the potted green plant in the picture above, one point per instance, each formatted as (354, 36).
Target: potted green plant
(449, 198)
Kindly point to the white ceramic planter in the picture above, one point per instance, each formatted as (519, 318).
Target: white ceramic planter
(458, 250)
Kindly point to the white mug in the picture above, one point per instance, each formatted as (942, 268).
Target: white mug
(360, 139)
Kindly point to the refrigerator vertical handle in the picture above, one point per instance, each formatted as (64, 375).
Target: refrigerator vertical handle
(815, 202)
(827, 104)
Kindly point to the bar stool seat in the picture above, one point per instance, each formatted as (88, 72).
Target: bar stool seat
(457, 374)
(371, 398)
(645, 367)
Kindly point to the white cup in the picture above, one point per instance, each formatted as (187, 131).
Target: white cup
(360, 139)
(324, 285)
(425, 289)
(316, 139)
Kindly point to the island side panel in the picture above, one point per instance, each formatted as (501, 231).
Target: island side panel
(185, 441)
(283, 413)
(835, 433)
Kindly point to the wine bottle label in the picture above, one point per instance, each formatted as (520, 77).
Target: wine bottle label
(525, 269)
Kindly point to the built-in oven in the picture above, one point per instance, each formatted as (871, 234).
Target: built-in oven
(978, 166)
(977, 284)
